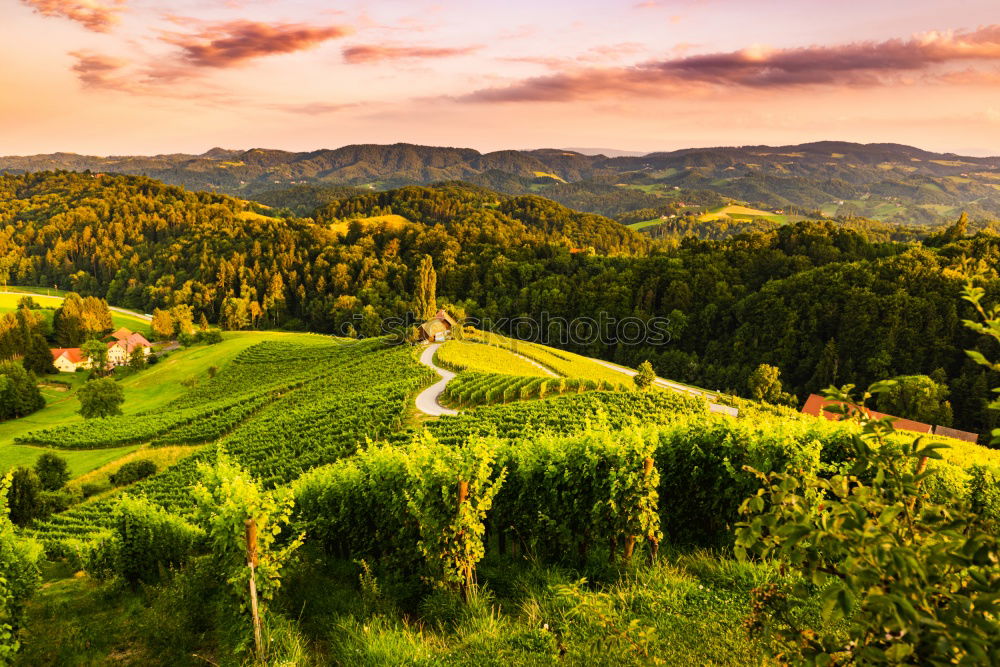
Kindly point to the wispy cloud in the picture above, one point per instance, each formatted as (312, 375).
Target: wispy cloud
(96, 15)
(313, 108)
(371, 53)
(140, 78)
(96, 70)
(228, 44)
(853, 64)
(201, 48)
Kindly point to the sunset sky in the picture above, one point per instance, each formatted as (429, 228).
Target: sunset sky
(152, 76)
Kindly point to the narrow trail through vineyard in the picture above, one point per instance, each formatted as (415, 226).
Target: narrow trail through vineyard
(545, 369)
(428, 400)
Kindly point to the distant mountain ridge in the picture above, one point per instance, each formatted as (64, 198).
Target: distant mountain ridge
(883, 181)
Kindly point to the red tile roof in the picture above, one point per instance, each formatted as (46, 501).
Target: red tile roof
(133, 341)
(815, 405)
(138, 339)
(73, 354)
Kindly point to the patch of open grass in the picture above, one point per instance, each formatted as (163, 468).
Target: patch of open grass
(163, 457)
(148, 390)
(392, 221)
(79, 460)
(52, 299)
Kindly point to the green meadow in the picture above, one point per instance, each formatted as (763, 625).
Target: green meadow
(146, 391)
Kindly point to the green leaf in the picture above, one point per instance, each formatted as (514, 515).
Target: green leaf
(898, 652)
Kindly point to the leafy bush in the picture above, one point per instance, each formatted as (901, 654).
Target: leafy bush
(19, 577)
(24, 497)
(19, 394)
(406, 507)
(210, 336)
(53, 471)
(89, 489)
(566, 495)
(100, 398)
(133, 471)
(904, 579)
(145, 543)
(243, 523)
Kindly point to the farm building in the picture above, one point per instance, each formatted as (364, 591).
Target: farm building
(437, 328)
(816, 406)
(68, 359)
(123, 343)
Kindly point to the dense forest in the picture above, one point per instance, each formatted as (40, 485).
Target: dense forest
(823, 301)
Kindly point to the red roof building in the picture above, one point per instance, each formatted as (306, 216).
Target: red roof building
(816, 404)
(68, 359)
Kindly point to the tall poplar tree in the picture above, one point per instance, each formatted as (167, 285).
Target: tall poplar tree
(425, 303)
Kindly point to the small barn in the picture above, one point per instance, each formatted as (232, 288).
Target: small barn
(438, 328)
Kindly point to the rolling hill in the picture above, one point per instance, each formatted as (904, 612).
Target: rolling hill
(888, 182)
(587, 483)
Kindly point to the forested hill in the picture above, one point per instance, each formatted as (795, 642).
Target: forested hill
(823, 302)
(879, 181)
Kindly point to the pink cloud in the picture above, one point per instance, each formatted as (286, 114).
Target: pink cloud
(228, 44)
(98, 71)
(96, 15)
(370, 53)
(859, 63)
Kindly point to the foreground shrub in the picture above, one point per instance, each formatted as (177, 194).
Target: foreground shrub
(564, 496)
(53, 471)
(146, 542)
(243, 522)
(910, 580)
(19, 577)
(419, 509)
(700, 463)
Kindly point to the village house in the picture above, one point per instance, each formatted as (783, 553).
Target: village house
(68, 359)
(437, 328)
(121, 345)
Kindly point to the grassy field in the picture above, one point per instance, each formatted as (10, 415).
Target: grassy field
(8, 303)
(43, 291)
(736, 212)
(80, 461)
(145, 391)
(561, 362)
(390, 221)
(645, 223)
(687, 609)
(467, 356)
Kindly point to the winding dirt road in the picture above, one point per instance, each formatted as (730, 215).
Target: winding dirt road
(427, 400)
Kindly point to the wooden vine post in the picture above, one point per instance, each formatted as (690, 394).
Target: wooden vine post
(251, 535)
(463, 496)
(647, 470)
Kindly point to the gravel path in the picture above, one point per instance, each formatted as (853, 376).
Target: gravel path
(427, 400)
(673, 386)
(545, 369)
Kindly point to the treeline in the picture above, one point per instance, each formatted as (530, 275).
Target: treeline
(824, 301)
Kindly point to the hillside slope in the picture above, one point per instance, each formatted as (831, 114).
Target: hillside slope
(880, 181)
(580, 485)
